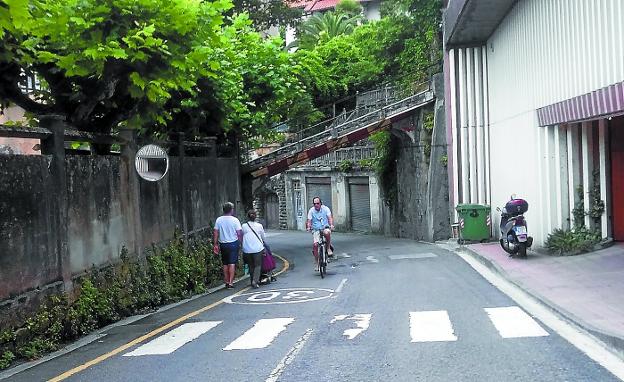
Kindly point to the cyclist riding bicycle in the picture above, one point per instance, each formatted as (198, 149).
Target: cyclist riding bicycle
(319, 218)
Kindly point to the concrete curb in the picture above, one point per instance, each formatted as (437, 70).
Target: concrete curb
(612, 341)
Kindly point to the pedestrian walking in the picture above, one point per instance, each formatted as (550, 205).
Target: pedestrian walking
(253, 247)
(227, 236)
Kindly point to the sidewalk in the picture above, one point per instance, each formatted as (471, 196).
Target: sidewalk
(588, 289)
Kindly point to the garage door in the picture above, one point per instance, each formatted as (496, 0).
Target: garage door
(320, 187)
(359, 201)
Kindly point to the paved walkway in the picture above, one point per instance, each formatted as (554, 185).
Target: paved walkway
(588, 289)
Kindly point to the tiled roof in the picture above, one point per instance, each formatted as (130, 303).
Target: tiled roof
(317, 5)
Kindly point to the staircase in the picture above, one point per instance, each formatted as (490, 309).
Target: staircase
(375, 110)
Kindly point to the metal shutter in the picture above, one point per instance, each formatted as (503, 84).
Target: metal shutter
(320, 187)
(359, 201)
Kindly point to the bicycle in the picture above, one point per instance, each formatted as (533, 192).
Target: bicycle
(322, 253)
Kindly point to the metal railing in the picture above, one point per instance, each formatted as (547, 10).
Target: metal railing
(353, 154)
(357, 118)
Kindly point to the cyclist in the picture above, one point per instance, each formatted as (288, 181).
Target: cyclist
(319, 218)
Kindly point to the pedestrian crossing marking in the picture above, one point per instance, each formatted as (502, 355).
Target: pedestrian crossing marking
(362, 321)
(425, 326)
(261, 334)
(173, 340)
(431, 326)
(513, 322)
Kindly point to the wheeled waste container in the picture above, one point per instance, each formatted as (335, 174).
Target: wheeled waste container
(474, 222)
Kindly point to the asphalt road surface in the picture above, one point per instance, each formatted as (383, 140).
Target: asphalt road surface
(388, 310)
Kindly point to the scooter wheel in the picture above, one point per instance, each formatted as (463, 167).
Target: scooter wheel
(522, 250)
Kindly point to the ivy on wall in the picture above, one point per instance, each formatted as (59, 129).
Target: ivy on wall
(385, 165)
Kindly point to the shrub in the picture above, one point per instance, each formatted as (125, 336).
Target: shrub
(345, 165)
(572, 242)
(106, 295)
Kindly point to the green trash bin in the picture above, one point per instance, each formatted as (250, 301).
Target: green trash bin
(474, 222)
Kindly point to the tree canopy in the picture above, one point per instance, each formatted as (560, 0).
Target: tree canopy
(404, 44)
(201, 67)
(147, 64)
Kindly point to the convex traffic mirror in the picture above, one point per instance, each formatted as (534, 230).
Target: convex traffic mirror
(151, 162)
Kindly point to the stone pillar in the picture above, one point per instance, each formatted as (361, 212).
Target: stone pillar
(437, 215)
(55, 147)
(182, 190)
(130, 188)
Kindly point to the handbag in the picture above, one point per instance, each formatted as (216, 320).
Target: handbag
(268, 262)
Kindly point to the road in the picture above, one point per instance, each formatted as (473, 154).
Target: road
(388, 309)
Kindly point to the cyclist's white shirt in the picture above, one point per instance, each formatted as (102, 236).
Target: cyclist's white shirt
(319, 218)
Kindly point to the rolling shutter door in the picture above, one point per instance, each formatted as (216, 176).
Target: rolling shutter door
(359, 201)
(320, 187)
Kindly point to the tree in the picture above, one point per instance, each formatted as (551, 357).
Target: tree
(322, 27)
(349, 8)
(107, 62)
(265, 14)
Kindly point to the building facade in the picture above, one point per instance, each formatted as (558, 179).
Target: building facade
(535, 96)
(341, 179)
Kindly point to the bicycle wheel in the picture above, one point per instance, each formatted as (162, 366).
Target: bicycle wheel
(322, 260)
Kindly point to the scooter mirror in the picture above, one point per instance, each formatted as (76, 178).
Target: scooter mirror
(513, 196)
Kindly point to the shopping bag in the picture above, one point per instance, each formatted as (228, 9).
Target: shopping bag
(268, 262)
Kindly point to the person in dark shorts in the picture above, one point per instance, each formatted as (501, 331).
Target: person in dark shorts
(227, 236)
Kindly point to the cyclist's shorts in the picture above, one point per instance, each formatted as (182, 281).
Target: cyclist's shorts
(229, 252)
(316, 234)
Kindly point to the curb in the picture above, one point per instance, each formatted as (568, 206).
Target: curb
(99, 333)
(612, 341)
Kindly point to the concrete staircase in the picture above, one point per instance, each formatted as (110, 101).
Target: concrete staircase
(372, 109)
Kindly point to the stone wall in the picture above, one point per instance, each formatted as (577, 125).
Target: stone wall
(62, 215)
(421, 208)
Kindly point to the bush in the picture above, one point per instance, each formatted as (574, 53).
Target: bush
(106, 295)
(572, 242)
(345, 166)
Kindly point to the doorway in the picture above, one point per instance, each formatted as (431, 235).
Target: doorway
(616, 129)
(272, 211)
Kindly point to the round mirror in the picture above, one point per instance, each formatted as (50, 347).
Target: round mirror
(151, 163)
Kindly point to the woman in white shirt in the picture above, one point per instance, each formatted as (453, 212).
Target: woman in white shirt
(253, 247)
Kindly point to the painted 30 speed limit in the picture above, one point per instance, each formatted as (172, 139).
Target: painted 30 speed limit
(280, 296)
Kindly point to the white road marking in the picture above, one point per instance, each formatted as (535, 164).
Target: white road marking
(280, 296)
(340, 286)
(513, 322)
(173, 340)
(372, 259)
(582, 340)
(431, 326)
(343, 256)
(362, 321)
(412, 256)
(261, 334)
(281, 366)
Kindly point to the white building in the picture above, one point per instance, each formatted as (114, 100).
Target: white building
(535, 92)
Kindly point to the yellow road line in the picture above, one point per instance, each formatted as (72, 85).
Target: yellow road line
(154, 332)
